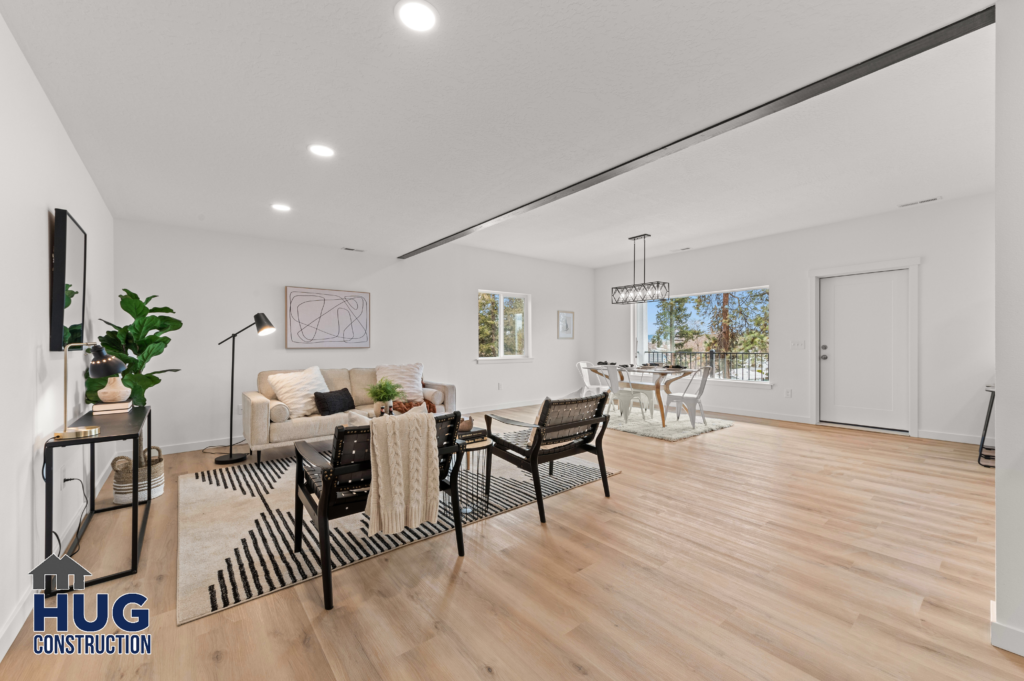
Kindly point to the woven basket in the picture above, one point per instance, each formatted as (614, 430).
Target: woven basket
(122, 466)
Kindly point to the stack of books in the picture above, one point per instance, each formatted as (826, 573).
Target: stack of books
(475, 435)
(112, 407)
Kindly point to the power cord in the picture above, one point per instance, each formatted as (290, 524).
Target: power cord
(42, 473)
(81, 518)
(207, 450)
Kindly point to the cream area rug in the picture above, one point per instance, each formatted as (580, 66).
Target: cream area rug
(236, 527)
(673, 430)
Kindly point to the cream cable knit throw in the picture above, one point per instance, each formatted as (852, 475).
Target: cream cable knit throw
(403, 459)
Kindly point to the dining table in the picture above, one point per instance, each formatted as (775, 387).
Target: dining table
(661, 379)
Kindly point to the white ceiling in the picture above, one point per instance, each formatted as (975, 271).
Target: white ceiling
(919, 129)
(198, 113)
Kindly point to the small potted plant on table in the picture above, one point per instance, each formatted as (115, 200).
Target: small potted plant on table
(384, 392)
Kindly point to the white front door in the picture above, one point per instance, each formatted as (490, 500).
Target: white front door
(863, 353)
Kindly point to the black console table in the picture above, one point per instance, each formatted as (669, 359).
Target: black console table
(125, 426)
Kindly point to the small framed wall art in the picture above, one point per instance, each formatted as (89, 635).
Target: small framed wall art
(566, 325)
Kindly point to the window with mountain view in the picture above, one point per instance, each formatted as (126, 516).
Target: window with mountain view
(727, 331)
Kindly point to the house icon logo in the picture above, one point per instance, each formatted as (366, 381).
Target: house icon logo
(92, 635)
(69, 575)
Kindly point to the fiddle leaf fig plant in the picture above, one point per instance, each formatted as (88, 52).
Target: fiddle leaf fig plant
(136, 344)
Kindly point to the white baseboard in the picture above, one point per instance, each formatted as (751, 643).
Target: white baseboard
(792, 418)
(22, 611)
(1006, 637)
(969, 439)
(14, 622)
(185, 446)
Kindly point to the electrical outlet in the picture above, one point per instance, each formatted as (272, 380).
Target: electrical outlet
(238, 409)
(789, 392)
(499, 386)
(63, 474)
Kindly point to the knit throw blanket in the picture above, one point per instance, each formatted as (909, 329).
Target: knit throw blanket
(403, 458)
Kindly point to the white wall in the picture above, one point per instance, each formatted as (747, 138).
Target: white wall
(422, 310)
(1008, 627)
(957, 308)
(39, 172)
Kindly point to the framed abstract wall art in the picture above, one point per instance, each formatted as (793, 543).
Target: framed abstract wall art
(323, 318)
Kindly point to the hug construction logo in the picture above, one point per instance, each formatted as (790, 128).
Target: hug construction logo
(70, 576)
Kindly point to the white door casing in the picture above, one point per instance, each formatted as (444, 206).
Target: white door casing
(863, 350)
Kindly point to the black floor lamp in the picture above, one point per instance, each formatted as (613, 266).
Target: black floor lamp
(263, 328)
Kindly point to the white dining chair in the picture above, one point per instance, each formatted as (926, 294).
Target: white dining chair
(612, 382)
(633, 392)
(690, 401)
(590, 379)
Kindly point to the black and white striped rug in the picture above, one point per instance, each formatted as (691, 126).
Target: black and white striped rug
(236, 527)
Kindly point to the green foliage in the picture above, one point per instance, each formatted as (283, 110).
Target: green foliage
(73, 333)
(514, 326)
(136, 344)
(487, 324)
(673, 322)
(385, 390)
(735, 321)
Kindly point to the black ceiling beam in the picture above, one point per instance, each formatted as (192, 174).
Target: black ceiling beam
(974, 22)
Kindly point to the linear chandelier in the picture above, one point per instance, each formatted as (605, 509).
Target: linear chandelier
(639, 293)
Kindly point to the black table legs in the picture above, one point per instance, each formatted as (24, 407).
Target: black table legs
(983, 458)
(138, 532)
(48, 543)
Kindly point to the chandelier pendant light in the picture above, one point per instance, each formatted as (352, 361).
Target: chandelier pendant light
(639, 293)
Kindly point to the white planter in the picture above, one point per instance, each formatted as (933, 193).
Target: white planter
(114, 390)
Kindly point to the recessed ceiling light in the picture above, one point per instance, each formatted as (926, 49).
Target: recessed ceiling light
(281, 207)
(416, 14)
(321, 150)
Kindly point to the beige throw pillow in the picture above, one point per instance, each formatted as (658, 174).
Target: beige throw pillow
(409, 376)
(296, 390)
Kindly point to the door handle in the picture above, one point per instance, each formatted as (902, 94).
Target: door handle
(824, 356)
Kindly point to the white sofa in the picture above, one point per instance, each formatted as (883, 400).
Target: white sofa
(266, 422)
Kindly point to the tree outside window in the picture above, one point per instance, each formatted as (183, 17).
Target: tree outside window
(733, 325)
(502, 321)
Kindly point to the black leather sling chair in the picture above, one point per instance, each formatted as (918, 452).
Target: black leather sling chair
(333, 483)
(564, 428)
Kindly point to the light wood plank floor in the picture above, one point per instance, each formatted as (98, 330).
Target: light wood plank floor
(768, 550)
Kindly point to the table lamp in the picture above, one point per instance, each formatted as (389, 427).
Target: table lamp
(263, 328)
(102, 365)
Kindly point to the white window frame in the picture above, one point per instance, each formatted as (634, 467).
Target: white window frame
(502, 358)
